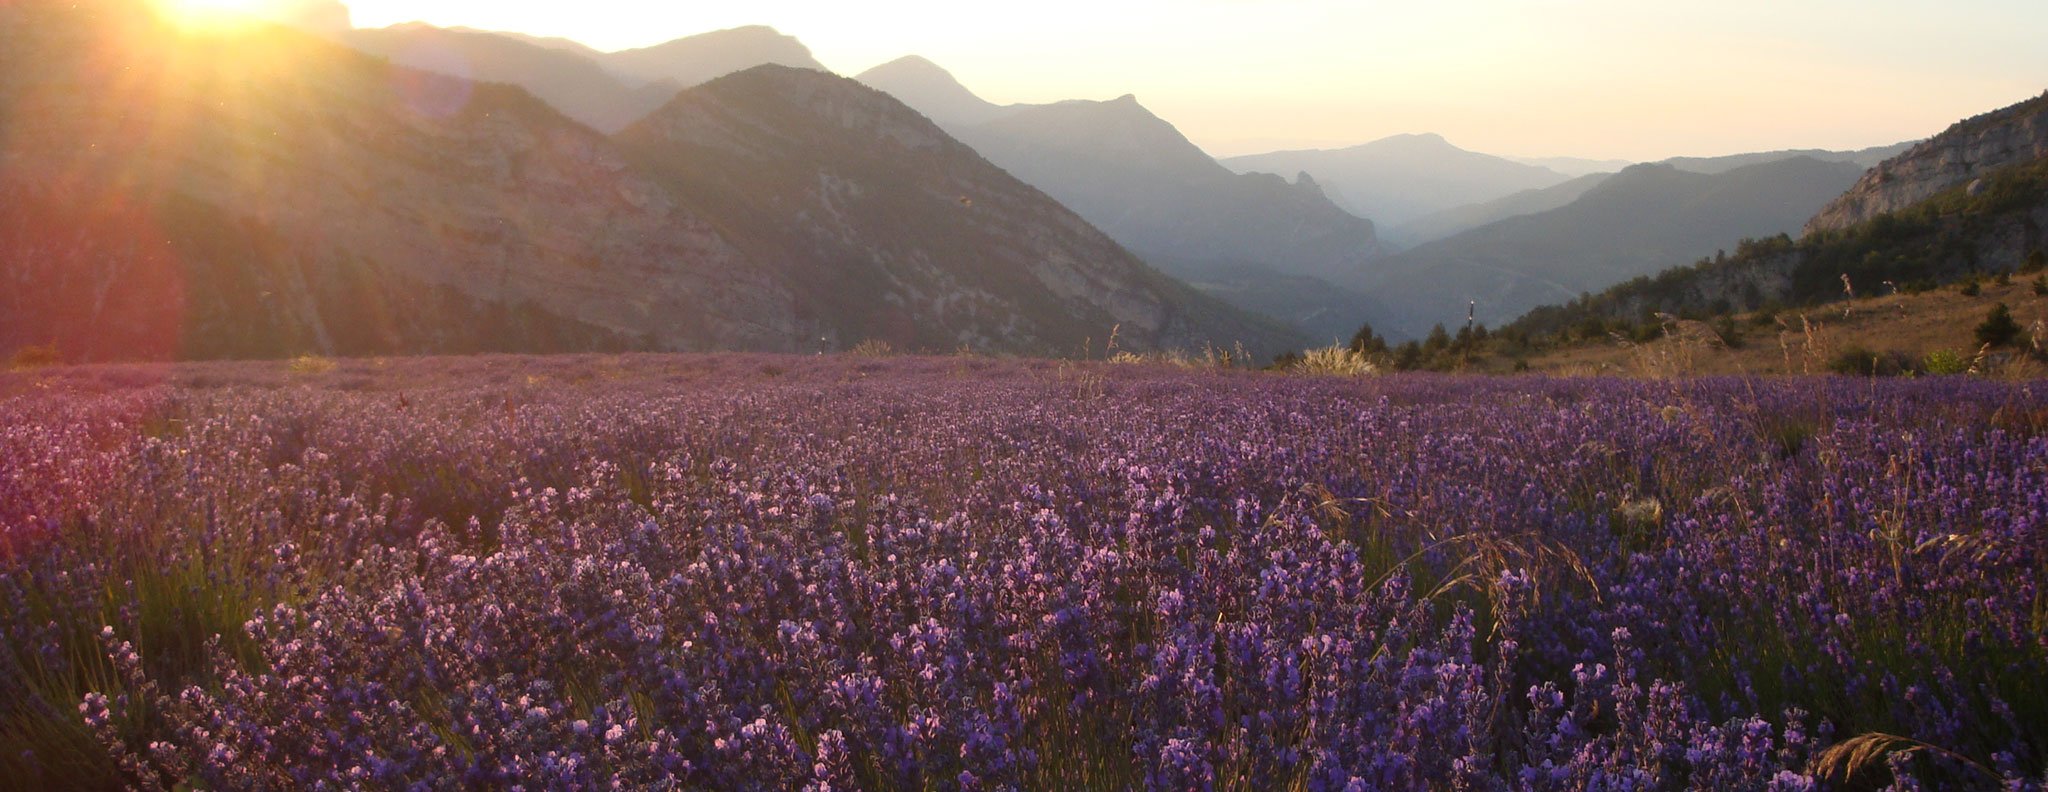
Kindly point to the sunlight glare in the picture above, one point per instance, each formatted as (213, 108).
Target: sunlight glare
(216, 14)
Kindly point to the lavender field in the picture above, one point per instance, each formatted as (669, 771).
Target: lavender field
(740, 572)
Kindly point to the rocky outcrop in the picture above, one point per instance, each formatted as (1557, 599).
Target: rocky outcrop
(1968, 151)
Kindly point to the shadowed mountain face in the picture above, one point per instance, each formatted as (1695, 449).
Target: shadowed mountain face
(269, 193)
(1405, 177)
(1257, 240)
(1641, 221)
(888, 228)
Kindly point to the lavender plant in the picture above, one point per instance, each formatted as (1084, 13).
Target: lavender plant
(962, 573)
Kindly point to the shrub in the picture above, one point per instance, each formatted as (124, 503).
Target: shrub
(30, 357)
(2041, 286)
(1333, 361)
(1945, 362)
(1998, 328)
(309, 365)
(1863, 362)
(873, 348)
(2036, 262)
(1970, 288)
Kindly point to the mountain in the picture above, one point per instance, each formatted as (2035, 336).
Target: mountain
(328, 202)
(572, 81)
(168, 201)
(1135, 176)
(1258, 241)
(707, 56)
(1449, 222)
(888, 228)
(1573, 166)
(1970, 201)
(605, 91)
(1959, 156)
(931, 90)
(1640, 221)
(1864, 158)
(1405, 177)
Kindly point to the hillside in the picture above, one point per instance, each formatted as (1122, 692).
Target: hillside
(889, 229)
(1640, 221)
(1883, 334)
(1964, 153)
(1399, 179)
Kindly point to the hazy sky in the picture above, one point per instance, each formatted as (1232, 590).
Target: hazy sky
(1631, 79)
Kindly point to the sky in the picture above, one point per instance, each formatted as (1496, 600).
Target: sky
(1601, 79)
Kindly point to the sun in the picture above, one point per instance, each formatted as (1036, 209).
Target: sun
(218, 14)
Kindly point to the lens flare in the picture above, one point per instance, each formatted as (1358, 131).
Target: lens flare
(218, 14)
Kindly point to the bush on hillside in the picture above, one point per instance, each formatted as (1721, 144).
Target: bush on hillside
(1999, 329)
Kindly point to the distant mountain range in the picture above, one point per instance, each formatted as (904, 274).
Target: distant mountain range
(604, 90)
(1399, 179)
(333, 203)
(1259, 241)
(1643, 220)
(1449, 222)
(1862, 158)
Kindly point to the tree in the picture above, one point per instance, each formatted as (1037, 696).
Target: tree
(1367, 342)
(1438, 340)
(1998, 328)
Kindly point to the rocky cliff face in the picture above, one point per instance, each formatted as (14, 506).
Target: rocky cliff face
(1965, 153)
(887, 228)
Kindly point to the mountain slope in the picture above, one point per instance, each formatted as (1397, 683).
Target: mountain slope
(1958, 156)
(1640, 221)
(888, 228)
(1401, 178)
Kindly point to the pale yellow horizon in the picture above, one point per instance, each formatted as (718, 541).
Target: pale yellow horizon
(1597, 79)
